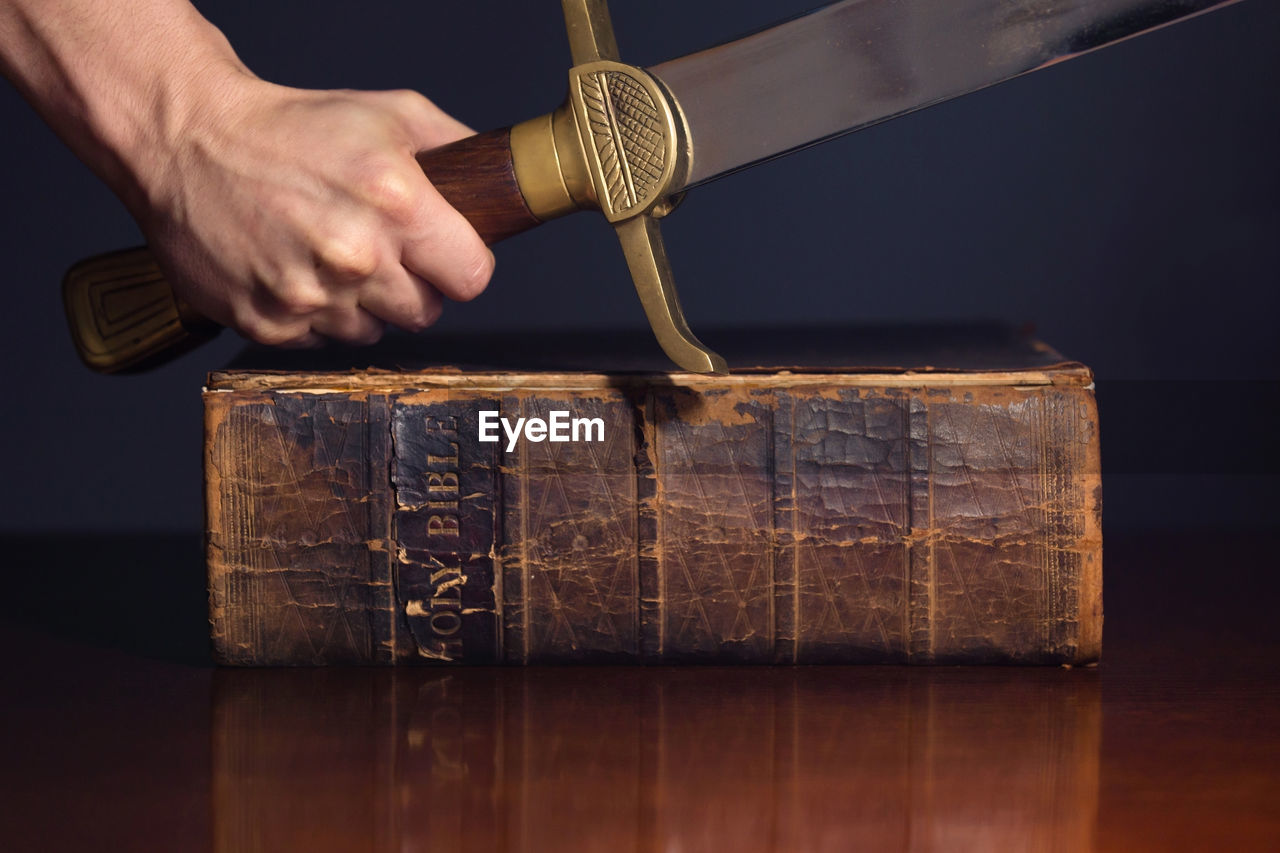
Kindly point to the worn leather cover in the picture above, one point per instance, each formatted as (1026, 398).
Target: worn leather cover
(915, 513)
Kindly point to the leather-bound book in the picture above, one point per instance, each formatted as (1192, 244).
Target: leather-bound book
(911, 495)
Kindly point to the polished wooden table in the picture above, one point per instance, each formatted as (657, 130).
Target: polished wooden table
(118, 735)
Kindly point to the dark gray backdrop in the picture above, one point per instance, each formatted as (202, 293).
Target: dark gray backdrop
(1125, 203)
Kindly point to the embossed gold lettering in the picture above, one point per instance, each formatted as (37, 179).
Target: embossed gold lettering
(446, 481)
(443, 484)
(443, 525)
(443, 507)
(437, 579)
(448, 596)
(445, 623)
(444, 460)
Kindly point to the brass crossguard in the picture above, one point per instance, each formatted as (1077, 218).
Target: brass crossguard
(619, 145)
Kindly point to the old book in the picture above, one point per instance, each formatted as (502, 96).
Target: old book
(899, 496)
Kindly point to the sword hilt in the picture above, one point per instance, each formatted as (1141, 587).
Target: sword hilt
(125, 317)
(619, 145)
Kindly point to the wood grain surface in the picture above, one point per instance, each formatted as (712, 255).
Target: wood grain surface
(118, 735)
(476, 176)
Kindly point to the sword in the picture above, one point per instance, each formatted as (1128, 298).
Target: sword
(628, 142)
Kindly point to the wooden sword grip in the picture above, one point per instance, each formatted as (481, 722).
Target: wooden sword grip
(476, 176)
(125, 317)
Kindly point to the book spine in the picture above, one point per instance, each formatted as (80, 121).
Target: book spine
(446, 494)
(803, 524)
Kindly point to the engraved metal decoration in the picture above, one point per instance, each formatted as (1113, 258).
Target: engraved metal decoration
(620, 144)
(628, 135)
(635, 144)
(629, 130)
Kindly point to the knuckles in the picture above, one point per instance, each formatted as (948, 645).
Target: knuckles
(300, 298)
(411, 102)
(351, 256)
(393, 191)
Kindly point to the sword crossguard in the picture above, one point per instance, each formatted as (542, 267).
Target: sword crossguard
(619, 144)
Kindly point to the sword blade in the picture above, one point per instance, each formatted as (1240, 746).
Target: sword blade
(855, 63)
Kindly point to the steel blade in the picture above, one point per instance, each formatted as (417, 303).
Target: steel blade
(852, 64)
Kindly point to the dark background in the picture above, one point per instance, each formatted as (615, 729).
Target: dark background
(1125, 203)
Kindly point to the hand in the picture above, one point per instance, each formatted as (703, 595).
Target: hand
(295, 215)
(290, 215)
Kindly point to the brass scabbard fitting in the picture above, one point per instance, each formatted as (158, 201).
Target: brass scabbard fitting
(620, 145)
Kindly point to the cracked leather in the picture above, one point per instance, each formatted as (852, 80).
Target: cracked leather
(770, 518)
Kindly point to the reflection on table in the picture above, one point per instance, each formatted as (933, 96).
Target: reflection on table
(644, 759)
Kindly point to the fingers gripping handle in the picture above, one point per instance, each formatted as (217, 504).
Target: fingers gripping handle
(619, 122)
(124, 315)
(477, 176)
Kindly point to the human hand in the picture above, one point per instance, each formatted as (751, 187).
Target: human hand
(294, 215)
(290, 215)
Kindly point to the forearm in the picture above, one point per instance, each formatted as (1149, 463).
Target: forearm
(118, 81)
